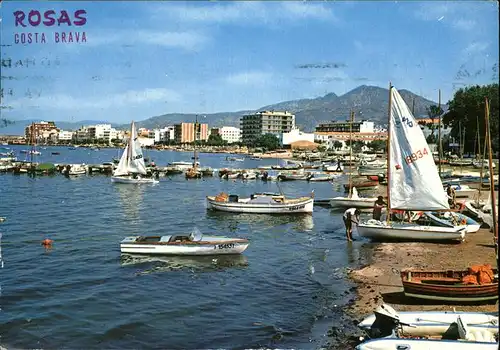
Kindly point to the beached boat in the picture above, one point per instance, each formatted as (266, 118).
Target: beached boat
(131, 168)
(261, 204)
(74, 170)
(353, 201)
(362, 185)
(429, 331)
(451, 219)
(436, 323)
(414, 183)
(187, 244)
(463, 191)
(449, 285)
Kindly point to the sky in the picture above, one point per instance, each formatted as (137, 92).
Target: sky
(143, 59)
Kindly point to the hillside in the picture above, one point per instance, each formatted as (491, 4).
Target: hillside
(368, 102)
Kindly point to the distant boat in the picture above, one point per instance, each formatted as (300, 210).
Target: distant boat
(131, 168)
(187, 244)
(55, 153)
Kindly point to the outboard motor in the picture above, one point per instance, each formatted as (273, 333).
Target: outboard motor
(386, 322)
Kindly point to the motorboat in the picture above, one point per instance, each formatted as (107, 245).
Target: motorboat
(260, 204)
(183, 244)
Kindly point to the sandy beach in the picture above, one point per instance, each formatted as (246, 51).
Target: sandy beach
(378, 278)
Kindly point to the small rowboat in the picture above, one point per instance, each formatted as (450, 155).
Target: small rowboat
(447, 286)
(187, 244)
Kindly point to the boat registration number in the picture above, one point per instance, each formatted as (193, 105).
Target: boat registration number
(224, 246)
(297, 207)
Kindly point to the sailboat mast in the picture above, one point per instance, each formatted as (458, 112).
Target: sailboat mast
(350, 153)
(130, 143)
(440, 149)
(389, 155)
(195, 137)
(32, 141)
(481, 159)
(492, 182)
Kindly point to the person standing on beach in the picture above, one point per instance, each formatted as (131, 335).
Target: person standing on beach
(351, 215)
(377, 208)
(450, 191)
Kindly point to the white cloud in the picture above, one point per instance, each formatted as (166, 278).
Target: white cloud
(453, 13)
(248, 78)
(476, 47)
(246, 12)
(129, 98)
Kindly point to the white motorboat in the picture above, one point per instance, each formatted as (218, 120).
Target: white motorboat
(249, 176)
(353, 201)
(482, 163)
(437, 323)
(261, 204)
(320, 178)
(390, 330)
(414, 182)
(75, 170)
(131, 168)
(425, 344)
(188, 244)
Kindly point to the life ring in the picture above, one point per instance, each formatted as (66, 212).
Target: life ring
(463, 222)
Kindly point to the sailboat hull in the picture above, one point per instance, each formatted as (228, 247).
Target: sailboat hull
(131, 180)
(377, 230)
(343, 202)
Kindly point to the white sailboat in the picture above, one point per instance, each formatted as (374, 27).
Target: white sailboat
(131, 167)
(413, 181)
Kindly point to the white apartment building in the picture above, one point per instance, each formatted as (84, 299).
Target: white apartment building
(165, 134)
(102, 132)
(230, 134)
(294, 135)
(65, 135)
(81, 134)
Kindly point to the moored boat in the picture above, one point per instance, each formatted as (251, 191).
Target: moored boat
(187, 244)
(352, 201)
(260, 204)
(478, 283)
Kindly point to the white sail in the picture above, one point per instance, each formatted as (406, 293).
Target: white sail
(132, 160)
(414, 181)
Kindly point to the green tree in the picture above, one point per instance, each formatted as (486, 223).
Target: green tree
(215, 140)
(268, 141)
(433, 112)
(377, 145)
(337, 145)
(466, 111)
(357, 146)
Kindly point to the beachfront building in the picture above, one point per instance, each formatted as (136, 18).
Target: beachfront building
(363, 126)
(165, 134)
(295, 135)
(230, 134)
(336, 133)
(185, 133)
(101, 132)
(266, 122)
(41, 131)
(65, 136)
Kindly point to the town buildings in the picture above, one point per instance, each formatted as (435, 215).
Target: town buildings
(41, 132)
(185, 132)
(266, 122)
(230, 134)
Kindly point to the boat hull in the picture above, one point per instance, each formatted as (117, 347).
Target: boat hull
(208, 246)
(436, 323)
(446, 286)
(377, 230)
(305, 206)
(424, 344)
(342, 202)
(130, 180)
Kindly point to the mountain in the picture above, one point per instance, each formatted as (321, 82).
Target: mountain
(17, 127)
(368, 102)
